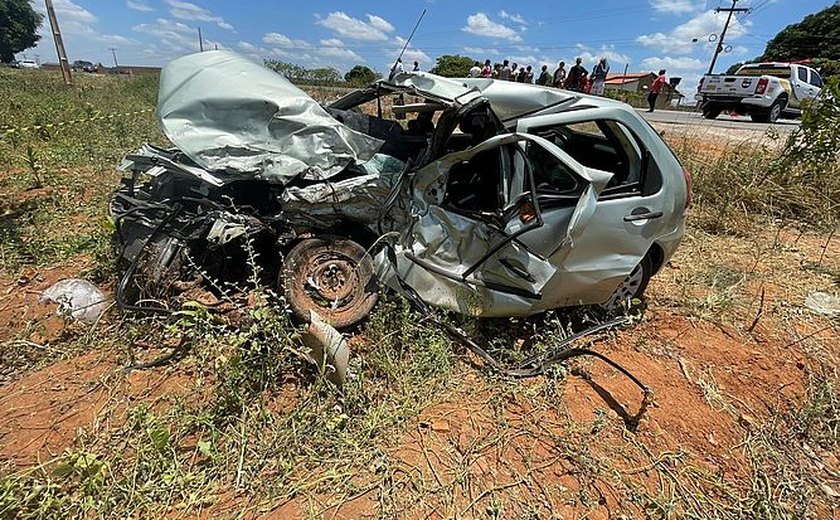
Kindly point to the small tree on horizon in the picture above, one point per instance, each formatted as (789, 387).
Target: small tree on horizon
(360, 76)
(453, 66)
(19, 24)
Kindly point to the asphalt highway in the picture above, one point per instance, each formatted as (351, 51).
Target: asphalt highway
(678, 117)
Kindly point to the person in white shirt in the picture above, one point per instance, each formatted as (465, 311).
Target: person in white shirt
(475, 70)
(396, 69)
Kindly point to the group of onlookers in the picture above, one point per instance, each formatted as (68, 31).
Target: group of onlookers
(576, 78)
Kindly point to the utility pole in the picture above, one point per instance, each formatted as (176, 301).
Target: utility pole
(114, 54)
(200, 40)
(59, 43)
(720, 45)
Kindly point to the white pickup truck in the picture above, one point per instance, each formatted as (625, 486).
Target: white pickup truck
(765, 91)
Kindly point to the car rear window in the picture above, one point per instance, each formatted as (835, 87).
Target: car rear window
(779, 72)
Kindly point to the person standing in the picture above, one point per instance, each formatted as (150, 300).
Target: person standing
(560, 76)
(544, 78)
(655, 88)
(504, 71)
(487, 70)
(599, 77)
(529, 75)
(475, 70)
(577, 76)
(416, 67)
(396, 69)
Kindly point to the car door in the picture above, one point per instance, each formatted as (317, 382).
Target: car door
(466, 246)
(816, 84)
(628, 216)
(801, 88)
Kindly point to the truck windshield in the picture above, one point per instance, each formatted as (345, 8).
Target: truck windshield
(779, 72)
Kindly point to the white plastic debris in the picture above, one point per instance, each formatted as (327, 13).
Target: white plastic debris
(823, 303)
(77, 299)
(329, 348)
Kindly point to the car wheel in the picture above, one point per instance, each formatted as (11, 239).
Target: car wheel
(776, 110)
(332, 276)
(711, 112)
(632, 287)
(769, 116)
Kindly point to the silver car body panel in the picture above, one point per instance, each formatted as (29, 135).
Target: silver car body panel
(437, 253)
(236, 118)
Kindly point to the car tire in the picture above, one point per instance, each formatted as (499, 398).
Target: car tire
(632, 287)
(772, 114)
(332, 276)
(711, 111)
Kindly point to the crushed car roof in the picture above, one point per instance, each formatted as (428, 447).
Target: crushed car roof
(234, 117)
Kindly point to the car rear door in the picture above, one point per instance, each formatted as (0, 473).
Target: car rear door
(467, 247)
(629, 214)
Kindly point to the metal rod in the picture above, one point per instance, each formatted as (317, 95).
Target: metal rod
(410, 36)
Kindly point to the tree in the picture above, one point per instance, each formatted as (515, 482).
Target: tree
(450, 66)
(302, 75)
(18, 28)
(816, 36)
(734, 68)
(360, 76)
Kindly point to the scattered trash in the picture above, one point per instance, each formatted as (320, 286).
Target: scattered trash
(329, 348)
(77, 299)
(823, 303)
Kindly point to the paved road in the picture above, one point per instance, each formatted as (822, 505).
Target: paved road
(677, 117)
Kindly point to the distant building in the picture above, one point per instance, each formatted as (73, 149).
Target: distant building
(640, 82)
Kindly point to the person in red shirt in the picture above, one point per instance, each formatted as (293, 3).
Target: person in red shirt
(655, 88)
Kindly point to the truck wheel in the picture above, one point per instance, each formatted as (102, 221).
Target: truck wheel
(332, 276)
(711, 111)
(769, 116)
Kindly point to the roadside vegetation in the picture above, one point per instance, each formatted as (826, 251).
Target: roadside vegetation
(745, 421)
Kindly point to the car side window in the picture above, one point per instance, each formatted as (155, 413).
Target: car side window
(803, 74)
(605, 145)
(816, 80)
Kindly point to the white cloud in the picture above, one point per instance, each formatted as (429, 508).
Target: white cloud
(335, 48)
(179, 37)
(515, 18)
(409, 56)
(481, 52)
(139, 6)
(679, 39)
(481, 25)
(375, 29)
(673, 64)
(189, 11)
(677, 6)
(380, 23)
(281, 40)
(74, 18)
(591, 55)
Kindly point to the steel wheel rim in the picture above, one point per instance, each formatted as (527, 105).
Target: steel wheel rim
(628, 289)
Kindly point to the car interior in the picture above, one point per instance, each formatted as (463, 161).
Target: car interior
(602, 145)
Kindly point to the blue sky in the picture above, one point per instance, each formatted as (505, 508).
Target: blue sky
(645, 34)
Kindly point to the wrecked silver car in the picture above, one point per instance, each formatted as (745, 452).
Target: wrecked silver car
(484, 197)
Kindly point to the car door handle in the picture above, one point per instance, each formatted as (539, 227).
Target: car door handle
(643, 216)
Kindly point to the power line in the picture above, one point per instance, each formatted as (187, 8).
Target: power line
(720, 45)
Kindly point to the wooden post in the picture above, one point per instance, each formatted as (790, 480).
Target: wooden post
(59, 43)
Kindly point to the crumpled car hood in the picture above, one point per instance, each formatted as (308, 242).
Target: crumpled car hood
(234, 117)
